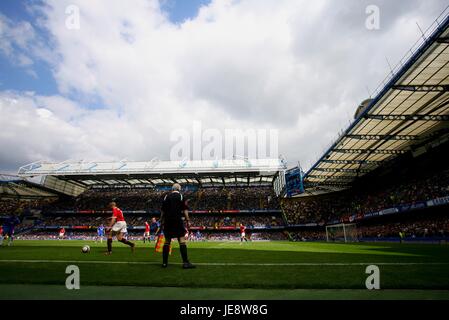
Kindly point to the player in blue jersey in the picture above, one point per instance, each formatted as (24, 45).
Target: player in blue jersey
(8, 228)
(100, 233)
(155, 228)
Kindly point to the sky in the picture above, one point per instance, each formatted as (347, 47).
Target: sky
(99, 80)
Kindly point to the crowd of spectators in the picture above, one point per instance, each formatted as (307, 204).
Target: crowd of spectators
(252, 198)
(253, 236)
(10, 206)
(210, 199)
(422, 228)
(248, 221)
(239, 198)
(419, 228)
(98, 199)
(435, 227)
(308, 235)
(70, 235)
(325, 208)
(209, 221)
(203, 236)
(74, 221)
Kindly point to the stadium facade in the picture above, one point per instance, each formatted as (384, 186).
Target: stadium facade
(74, 177)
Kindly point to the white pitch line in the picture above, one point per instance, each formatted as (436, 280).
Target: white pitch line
(234, 264)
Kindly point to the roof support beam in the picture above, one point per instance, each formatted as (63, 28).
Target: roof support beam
(381, 137)
(332, 184)
(351, 161)
(443, 40)
(78, 183)
(373, 151)
(409, 117)
(315, 176)
(341, 170)
(436, 88)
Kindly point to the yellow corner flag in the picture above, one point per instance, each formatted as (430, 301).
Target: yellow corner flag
(160, 244)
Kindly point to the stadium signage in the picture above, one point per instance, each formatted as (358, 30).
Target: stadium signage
(305, 225)
(234, 211)
(157, 212)
(185, 187)
(123, 186)
(66, 227)
(413, 206)
(267, 227)
(438, 201)
(101, 212)
(294, 182)
(394, 210)
(388, 211)
(88, 227)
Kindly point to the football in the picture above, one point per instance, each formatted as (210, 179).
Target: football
(85, 249)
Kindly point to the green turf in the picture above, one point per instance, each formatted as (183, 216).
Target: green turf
(320, 266)
(51, 292)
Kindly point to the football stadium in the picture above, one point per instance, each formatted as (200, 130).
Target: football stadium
(368, 220)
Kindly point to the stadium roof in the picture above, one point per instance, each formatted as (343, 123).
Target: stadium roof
(15, 187)
(155, 172)
(409, 110)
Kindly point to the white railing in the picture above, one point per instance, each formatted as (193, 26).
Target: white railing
(125, 167)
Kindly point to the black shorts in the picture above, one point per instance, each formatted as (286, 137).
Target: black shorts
(174, 229)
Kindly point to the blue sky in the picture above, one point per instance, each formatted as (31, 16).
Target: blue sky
(179, 10)
(14, 77)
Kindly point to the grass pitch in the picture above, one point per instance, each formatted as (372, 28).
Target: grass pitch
(226, 270)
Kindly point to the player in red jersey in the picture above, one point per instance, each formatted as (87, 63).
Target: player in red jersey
(1, 235)
(61, 233)
(146, 234)
(117, 227)
(242, 233)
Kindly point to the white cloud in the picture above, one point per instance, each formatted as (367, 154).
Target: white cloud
(36, 128)
(15, 37)
(297, 66)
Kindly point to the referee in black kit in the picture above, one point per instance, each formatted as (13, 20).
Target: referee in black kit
(173, 209)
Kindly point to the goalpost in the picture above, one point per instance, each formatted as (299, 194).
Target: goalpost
(341, 232)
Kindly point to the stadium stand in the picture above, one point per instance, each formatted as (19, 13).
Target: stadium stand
(390, 164)
(212, 209)
(19, 196)
(341, 205)
(214, 199)
(215, 222)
